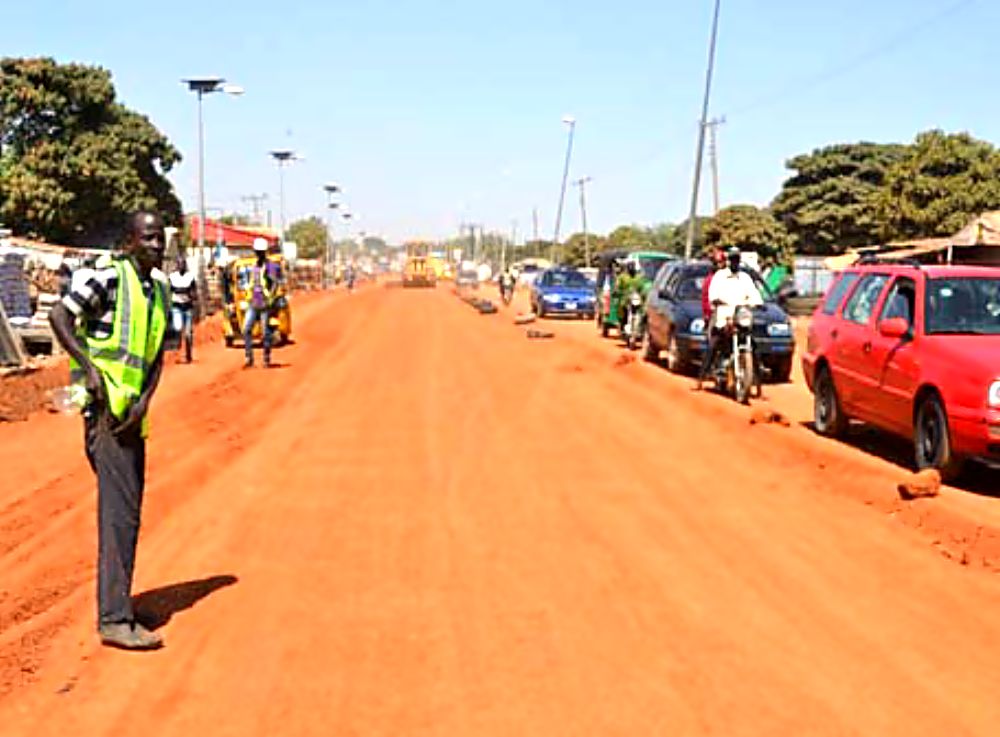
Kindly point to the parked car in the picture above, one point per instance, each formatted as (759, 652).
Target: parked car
(914, 351)
(563, 291)
(675, 323)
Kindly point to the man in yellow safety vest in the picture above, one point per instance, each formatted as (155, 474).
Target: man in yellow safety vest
(112, 324)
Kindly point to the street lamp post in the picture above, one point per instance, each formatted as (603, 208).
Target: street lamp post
(204, 86)
(571, 122)
(283, 156)
(582, 184)
(331, 190)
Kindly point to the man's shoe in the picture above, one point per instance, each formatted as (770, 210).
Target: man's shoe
(129, 636)
(248, 363)
(267, 362)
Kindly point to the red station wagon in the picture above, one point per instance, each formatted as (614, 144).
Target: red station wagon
(914, 350)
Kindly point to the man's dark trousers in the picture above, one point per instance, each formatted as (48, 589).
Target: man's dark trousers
(120, 465)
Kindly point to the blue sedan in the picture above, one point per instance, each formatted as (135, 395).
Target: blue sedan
(563, 291)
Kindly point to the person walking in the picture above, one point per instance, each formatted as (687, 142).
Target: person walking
(112, 325)
(184, 297)
(262, 285)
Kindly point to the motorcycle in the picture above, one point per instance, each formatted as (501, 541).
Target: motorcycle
(506, 292)
(634, 325)
(737, 373)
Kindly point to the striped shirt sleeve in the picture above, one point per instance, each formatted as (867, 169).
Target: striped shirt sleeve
(89, 295)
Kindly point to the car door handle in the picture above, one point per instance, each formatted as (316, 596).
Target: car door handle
(867, 347)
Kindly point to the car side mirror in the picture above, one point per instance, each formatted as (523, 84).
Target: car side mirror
(894, 327)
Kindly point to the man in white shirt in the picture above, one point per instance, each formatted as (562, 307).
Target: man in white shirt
(730, 288)
(184, 295)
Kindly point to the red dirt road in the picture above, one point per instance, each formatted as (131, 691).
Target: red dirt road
(425, 524)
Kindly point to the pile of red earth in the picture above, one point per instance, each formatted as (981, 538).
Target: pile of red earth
(27, 391)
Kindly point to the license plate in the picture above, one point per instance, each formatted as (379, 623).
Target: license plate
(569, 305)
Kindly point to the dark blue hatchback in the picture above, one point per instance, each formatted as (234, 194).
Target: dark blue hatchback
(563, 291)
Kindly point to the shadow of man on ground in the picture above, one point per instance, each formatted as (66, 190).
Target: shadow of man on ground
(155, 607)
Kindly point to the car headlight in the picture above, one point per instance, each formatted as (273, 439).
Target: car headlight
(779, 329)
(550, 297)
(744, 318)
(697, 326)
(993, 397)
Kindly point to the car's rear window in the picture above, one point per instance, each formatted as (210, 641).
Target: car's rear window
(837, 291)
(963, 305)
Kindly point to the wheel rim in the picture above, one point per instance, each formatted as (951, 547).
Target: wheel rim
(824, 403)
(672, 357)
(930, 435)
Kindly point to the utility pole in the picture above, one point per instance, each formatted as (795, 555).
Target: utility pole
(693, 216)
(582, 184)
(713, 157)
(570, 121)
(534, 225)
(255, 200)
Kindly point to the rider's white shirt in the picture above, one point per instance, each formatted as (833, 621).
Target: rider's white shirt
(732, 290)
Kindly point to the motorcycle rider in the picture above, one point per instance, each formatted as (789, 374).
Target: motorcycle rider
(731, 287)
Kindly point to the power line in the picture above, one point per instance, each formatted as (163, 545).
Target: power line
(890, 44)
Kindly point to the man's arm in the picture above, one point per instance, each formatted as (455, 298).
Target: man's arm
(63, 324)
(141, 406)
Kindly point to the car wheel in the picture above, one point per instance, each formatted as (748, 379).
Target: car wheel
(828, 415)
(675, 362)
(932, 439)
(649, 350)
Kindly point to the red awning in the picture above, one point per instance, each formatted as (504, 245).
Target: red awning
(233, 236)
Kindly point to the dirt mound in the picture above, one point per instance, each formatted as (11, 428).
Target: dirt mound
(923, 484)
(28, 391)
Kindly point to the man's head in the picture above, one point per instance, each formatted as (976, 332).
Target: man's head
(719, 258)
(146, 241)
(632, 267)
(733, 257)
(260, 248)
(182, 264)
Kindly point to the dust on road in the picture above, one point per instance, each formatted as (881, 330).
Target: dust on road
(427, 524)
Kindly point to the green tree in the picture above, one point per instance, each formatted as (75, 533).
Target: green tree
(574, 250)
(309, 234)
(829, 205)
(673, 238)
(73, 161)
(374, 243)
(629, 236)
(942, 182)
(750, 228)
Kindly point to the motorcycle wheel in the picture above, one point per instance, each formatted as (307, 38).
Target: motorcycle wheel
(743, 377)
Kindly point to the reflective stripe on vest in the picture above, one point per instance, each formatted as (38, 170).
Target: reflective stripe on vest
(126, 355)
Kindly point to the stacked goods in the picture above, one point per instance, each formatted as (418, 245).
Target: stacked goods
(14, 288)
(46, 302)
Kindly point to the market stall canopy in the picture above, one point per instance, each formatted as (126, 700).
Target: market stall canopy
(233, 236)
(982, 231)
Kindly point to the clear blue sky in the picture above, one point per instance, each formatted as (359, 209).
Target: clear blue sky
(434, 112)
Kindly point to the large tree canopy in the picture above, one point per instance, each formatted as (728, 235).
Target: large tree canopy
(942, 182)
(309, 236)
(750, 229)
(829, 206)
(73, 161)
